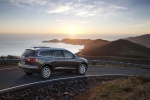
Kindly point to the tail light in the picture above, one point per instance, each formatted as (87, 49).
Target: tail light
(31, 59)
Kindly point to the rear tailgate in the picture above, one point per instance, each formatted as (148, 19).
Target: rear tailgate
(28, 53)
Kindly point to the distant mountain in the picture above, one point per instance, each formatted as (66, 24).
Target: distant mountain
(120, 48)
(93, 44)
(142, 40)
(75, 41)
(87, 42)
(69, 41)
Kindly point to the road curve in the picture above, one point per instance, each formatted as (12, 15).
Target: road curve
(14, 77)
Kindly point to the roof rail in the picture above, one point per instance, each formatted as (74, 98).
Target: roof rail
(39, 47)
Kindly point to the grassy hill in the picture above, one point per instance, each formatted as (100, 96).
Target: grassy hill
(142, 40)
(120, 48)
(133, 88)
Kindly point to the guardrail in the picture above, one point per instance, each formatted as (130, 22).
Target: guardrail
(94, 62)
(9, 60)
(123, 64)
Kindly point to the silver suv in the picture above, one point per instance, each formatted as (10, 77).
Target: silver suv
(45, 60)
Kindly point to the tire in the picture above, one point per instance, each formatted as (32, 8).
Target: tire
(29, 73)
(45, 72)
(82, 69)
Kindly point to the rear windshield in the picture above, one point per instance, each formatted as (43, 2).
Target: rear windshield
(28, 52)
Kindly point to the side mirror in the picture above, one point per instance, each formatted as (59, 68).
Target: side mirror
(74, 56)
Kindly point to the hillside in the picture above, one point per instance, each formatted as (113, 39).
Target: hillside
(142, 40)
(93, 44)
(133, 88)
(120, 48)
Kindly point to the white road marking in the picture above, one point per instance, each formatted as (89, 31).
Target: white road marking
(7, 89)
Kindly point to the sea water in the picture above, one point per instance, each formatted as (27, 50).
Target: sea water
(15, 44)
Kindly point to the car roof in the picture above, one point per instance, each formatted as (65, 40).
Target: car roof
(45, 48)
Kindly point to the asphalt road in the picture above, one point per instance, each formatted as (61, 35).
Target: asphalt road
(14, 77)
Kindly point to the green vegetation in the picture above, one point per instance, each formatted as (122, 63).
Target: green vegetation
(133, 88)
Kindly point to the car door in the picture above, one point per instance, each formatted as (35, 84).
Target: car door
(71, 61)
(58, 59)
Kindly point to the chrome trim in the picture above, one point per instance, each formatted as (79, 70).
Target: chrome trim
(64, 68)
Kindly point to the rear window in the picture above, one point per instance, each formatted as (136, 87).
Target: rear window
(57, 53)
(28, 52)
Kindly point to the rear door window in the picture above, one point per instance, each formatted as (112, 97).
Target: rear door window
(28, 53)
(57, 53)
(44, 53)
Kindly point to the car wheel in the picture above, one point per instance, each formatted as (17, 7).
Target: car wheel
(82, 69)
(45, 72)
(29, 73)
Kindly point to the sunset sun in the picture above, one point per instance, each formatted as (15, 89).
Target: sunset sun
(72, 30)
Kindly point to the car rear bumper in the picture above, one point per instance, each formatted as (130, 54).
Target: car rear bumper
(28, 68)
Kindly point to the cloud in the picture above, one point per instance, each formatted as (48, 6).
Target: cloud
(118, 7)
(60, 9)
(81, 0)
(57, 20)
(31, 2)
(80, 8)
(144, 24)
(82, 13)
(84, 22)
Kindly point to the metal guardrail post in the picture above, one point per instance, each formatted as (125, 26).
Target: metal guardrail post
(9, 60)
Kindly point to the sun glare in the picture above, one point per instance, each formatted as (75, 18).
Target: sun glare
(72, 30)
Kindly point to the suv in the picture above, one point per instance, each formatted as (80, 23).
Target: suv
(44, 60)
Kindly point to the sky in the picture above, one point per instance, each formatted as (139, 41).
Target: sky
(75, 16)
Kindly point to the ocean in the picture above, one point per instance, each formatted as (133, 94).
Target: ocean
(15, 44)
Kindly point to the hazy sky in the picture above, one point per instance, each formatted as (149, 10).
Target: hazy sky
(75, 16)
